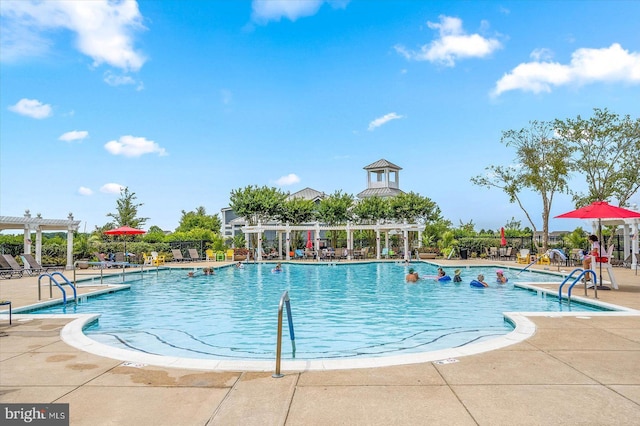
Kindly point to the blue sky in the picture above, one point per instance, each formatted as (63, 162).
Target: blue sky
(183, 102)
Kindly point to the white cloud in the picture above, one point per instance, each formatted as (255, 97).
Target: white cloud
(74, 135)
(272, 10)
(104, 29)
(111, 188)
(83, 190)
(453, 44)
(611, 64)
(541, 54)
(132, 146)
(287, 180)
(383, 120)
(32, 108)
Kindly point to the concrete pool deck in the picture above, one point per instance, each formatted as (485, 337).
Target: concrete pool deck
(582, 369)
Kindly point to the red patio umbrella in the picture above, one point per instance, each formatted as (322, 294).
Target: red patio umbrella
(124, 230)
(309, 242)
(600, 210)
(503, 240)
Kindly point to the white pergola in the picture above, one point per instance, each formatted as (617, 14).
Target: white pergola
(38, 224)
(317, 227)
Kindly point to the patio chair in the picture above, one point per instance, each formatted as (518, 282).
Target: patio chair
(7, 270)
(193, 254)
(28, 259)
(309, 254)
(493, 253)
(147, 259)
(230, 255)
(523, 256)
(157, 259)
(209, 255)
(298, 254)
(11, 263)
(177, 255)
(605, 262)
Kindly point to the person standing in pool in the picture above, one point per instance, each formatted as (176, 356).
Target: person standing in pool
(412, 276)
(500, 278)
(456, 276)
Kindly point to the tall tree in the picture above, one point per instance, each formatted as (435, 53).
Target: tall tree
(372, 209)
(607, 149)
(127, 210)
(199, 219)
(336, 208)
(257, 203)
(414, 208)
(296, 211)
(542, 165)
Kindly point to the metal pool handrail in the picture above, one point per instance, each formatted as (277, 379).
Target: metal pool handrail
(575, 281)
(64, 293)
(284, 301)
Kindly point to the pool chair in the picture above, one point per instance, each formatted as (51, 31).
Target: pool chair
(157, 259)
(177, 255)
(147, 259)
(193, 254)
(36, 267)
(10, 269)
(523, 256)
(298, 254)
(209, 255)
(230, 255)
(604, 262)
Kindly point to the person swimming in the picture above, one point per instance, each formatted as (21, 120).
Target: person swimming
(500, 278)
(412, 276)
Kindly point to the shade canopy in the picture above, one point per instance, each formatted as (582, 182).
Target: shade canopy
(124, 230)
(600, 210)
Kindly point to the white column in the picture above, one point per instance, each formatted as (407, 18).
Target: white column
(38, 245)
(419, 239)
(69, 249)
(26, 247)
(626, 247)
(259, 248)
(280, 245)
(287, 245)
(405, 234)
(317, 231)
(377, 243)
(349, 242)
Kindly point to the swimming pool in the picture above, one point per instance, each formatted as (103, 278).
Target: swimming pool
(341, 311)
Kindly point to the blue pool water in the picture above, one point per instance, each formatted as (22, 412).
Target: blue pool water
(346, 310)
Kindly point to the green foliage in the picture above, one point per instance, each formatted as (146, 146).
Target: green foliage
(336, 208)
(542, 164)
(154, 235)
(372, 209)
(414, 208)
(127, 210)
(257, 203)
(606, 150)
(296, 211)
(198, 219)
(576, 239)
(447, 240)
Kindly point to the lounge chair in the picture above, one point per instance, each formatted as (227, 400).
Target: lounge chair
(147, 259)
(28, 259)
(177, 255)
(11, 263)
(193, 254)
(230, 255)
(210, 256)
(298, 254)
(9, 271)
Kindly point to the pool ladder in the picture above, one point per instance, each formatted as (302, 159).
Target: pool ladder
(284, 301)
(576, 281)
(53, 280)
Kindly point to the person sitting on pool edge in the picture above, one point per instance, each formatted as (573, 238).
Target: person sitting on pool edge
(500, 278)
(481, 280)
(412, 276)
(456, 276)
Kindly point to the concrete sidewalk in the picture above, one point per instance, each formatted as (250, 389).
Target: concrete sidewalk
(574, 370)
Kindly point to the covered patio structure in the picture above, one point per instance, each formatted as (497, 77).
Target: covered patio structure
(380, 228)
(630, 236)
(38, 224)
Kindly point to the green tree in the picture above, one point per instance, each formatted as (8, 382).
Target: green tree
(336, 208)
(155, 234)
(127, 210)
(414, 208)
(372, 209)
(199, 219)
(542, 165)
(296, 211)
(607, 149)
(257, 203)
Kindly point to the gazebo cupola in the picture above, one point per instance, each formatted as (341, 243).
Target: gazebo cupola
(383, 180)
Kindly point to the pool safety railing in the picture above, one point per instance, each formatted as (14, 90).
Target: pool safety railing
(52, 280)
(582, 274)
(284, 301)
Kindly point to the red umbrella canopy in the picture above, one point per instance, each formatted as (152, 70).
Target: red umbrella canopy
(309, 242)
(600, 210)
(503, 240)
(124, 230)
